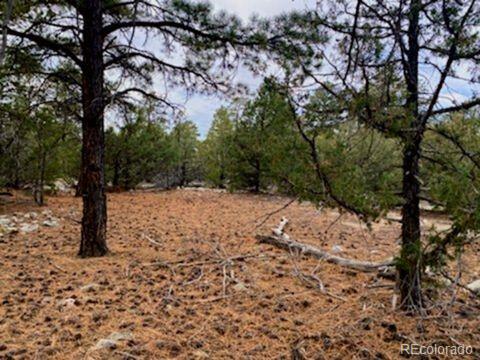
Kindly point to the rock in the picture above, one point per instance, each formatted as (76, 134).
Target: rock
(111, 341)
(240, 287)
(5, 220)
(61, 185)
(474, 286)
(28, 228)
(117, 336)
(67, 303)
(199, 354)
(337, 249)
(7, 225)
(50, 223)
(104, 344)
(145, 186)
(90, 287)
(30, 215)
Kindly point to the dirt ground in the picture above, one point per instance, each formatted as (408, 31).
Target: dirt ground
(175, 287)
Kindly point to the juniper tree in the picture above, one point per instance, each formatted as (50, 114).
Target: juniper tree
(120, 48)
(373, 57)
(216, 149)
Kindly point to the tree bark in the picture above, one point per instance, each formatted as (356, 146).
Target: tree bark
(116, 172)
(94, 221)
(409, 266)
(39, 191)
(410, 263)
(256, 176)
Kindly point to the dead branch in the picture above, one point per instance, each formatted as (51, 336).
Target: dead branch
(282, 240)
(270, 214)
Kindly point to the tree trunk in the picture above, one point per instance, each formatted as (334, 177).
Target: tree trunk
(257, 175)
(116, 172)
(94, 221)
(410, 266)
(78, 188)
(39, 191)
(183, 174)
(410, 262)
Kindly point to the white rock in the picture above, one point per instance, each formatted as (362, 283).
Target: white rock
(117, 336)
(28, 228)
(111, 341)
(474, 286)
(105, 344)
(67, 303)
(240, 287)
(50, 223)
(5, 220)
(199, 354)
(337, 249)
(90, 287)
(30, 215)
(61, 185)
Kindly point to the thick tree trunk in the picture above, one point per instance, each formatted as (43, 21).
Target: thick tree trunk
(94, 221)
(410, 262)
(410, 266)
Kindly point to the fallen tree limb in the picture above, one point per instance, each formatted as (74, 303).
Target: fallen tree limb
(282, 240)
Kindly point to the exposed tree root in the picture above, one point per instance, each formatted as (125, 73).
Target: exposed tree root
(282, 240)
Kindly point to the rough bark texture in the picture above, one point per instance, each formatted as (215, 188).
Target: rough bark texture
(409, 266)
(93, 242)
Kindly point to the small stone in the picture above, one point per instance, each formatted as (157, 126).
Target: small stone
(199, 354)
(67, 303)
(474, 286)
(240, 287)
(28, 228)
(50, 223)
(117, 336)
(105, 344)
(90, 287)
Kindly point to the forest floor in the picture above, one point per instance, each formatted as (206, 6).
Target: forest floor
(174, 285)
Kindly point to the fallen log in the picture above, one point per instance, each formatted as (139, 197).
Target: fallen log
(282, 240)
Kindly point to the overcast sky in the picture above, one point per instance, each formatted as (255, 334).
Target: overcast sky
(200, 109)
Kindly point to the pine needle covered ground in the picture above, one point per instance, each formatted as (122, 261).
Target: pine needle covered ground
(186, 278)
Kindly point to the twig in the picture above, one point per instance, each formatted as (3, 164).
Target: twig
(269, 215)
(151, 240)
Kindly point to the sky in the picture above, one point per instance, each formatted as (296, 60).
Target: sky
(200, 109)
